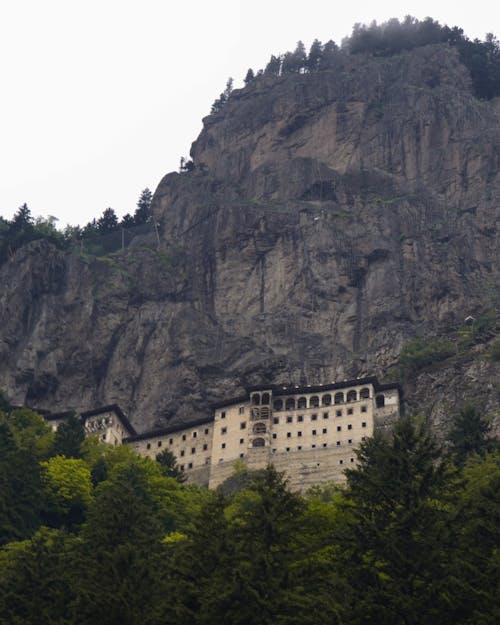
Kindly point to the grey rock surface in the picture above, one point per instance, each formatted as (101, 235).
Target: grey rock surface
(330, 218)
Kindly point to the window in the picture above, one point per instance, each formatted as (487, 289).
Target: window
(290, 404)
(242, 440)
(363, 424)
(259, 428)
(275, 435)
(363, 408)
(299, 447)
(256, 399)
(338, 413)
(205, 447)
(276, 420)
(223, 446)
(223, 431)
(338, 398)
(299, 434)
(242, 409)
(223, 415)
(287, 448)
(274, 450)
(325, 430)
(339, 428)
(170, 441)
(350, 411)
(363, 438)
(183, 437)
(182, 467)
(341, 462)
(349, 441)
(148, 446)
(313, 432)
(380, 401)
(182, 452)
(302, 403)
(314, 417)
(289, 419)
(364, 393)
(338, 443)
(259, 442)
(243, 425)
(242, 455)
(325, 415)
(314, 401)
(289, 435)
(195, 434)
(351, 460)
(300, 418)
(206, 430)
(190, 465)
(326, 400)
(352, 395)
(313, 446)
(193, 450)
(325, 444)
(278, 405)
(266, 399)
(349, 426)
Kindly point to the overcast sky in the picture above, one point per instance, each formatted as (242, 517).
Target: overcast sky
(101, 98)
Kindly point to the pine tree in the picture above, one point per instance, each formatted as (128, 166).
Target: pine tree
(142, 213)
(69, 438)
(108, 222)
(315, 54)
(250, 76)
(470, 435)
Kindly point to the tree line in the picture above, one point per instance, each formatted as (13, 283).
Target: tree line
(96, 534)
(23, 227)
(482, 58)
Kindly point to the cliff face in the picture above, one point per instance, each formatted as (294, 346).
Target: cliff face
(330, 218)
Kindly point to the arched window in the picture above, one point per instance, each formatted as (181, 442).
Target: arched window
(259, 428)
(259, 442)
(302, 403)
(326, 400)
(255, 399)
(338, 398)
(314, 401)
(265, 399)
(290, 403)
(352, 395)
(278, 405)
(364, 393)
(380, 401)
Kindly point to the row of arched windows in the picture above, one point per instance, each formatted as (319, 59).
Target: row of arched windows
(325, 400)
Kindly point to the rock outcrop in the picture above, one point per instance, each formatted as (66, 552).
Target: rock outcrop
(330, 218)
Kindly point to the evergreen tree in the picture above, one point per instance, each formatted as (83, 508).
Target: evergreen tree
(142, 213)
(315, 54)
(274, 66)
(250, 77)
(22, 220)
(330, 55)
(470, 435)
(169, 466)
(69, 437)
(127, 221)
(108, 222)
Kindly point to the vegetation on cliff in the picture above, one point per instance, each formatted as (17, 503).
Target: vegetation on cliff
(109, 537)
(482, 58)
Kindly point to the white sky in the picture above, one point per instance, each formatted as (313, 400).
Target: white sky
(101, 98)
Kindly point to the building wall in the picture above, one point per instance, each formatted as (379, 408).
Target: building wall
(191, 446)
(107, 427)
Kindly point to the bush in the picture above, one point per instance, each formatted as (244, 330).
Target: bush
(420, 353)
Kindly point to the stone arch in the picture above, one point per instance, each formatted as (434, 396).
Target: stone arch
(259, 442)
(302, 403)
(290, 403)
(278, 405)
(380, 401)
(259, 428)
(338, 398)
(256, 399)
(314, 401)
(364, 393)
(265, 399)
(352, 395)
(326, 400)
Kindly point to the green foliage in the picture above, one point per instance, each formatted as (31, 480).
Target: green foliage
(470, 435)
(169, 466)
(494, 351)
(69, 438)
(420, 353)
(68, 491)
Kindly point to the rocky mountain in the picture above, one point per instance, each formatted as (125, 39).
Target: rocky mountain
(329, 219)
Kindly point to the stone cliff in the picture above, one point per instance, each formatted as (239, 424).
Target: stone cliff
(330, 218)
